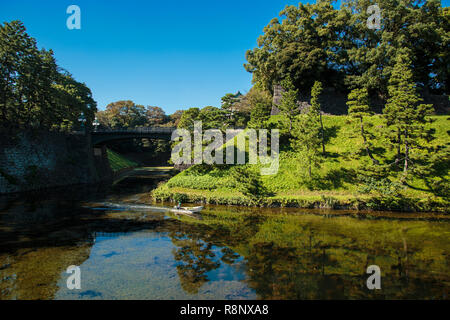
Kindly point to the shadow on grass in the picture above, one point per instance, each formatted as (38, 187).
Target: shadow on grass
(330, 132)
(334, 179)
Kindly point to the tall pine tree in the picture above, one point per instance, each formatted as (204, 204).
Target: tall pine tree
(404, 114)
(315, 109)
(358, 108)
(307, 133)
(288, 106)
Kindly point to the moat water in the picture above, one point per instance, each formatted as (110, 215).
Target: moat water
(126, 251)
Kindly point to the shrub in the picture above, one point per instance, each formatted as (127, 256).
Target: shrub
(249, 182)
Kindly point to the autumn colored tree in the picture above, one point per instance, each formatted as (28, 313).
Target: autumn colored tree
(155, 116)
(123, 114)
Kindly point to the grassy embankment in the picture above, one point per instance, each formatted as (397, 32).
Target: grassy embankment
(119, 162)
(335, 185)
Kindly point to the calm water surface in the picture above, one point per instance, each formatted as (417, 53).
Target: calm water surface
(130, 252)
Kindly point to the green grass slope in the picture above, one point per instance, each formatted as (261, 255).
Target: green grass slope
(119, 162)
(334, 185)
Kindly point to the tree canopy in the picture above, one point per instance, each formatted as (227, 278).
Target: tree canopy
(317, 42)
(34, 91)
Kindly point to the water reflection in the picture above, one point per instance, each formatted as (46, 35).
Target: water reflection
(231, 253)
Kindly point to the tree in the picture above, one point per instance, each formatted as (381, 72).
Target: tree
(228, 103)
(295, 47)
(124, 114)
(320, 42)
(155, 116)
(188, 118)
(358, 108)
(307, 141)
(175, 118)
(261, 106)
(248, 182)
(213, 118)
(315, 108)
(259, 115)
(34, 91)
(288, 106)
(405, 117)
(71, 99)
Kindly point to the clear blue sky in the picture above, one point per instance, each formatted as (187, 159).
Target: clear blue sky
(172, 54)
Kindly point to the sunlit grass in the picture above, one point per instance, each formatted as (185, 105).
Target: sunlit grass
(336, 177)
(119, 162)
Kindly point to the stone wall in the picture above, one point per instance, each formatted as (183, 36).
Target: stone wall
(39, 160)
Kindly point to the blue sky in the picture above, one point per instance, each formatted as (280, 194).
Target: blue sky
(172, 54)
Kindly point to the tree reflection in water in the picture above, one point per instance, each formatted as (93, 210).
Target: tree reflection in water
(270, 254)
(313, 257)
(195, 259)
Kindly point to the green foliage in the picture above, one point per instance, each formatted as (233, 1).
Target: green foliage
(316, 91)
(405, 118)
(188, 118)
(259, 115)
(358, 108)
(383, 186)
(248, 182)
(317, 41)
(179, 198)
(288, 106)
(126, 114)
(345, 179)
(34, 91)
(122, 115)
(358, 103)
(261, 107)
(204, 182)
(315, 109)
(308, 133)
(213, 118)
(236, 112)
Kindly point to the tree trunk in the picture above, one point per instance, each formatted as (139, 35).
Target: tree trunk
(323, 133)
(374, 161)
(405, 167)
(310, 173)
(398, 146)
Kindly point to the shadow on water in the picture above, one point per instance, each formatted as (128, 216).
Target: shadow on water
(232, 253)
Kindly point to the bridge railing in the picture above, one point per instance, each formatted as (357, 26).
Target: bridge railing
(142, 130)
